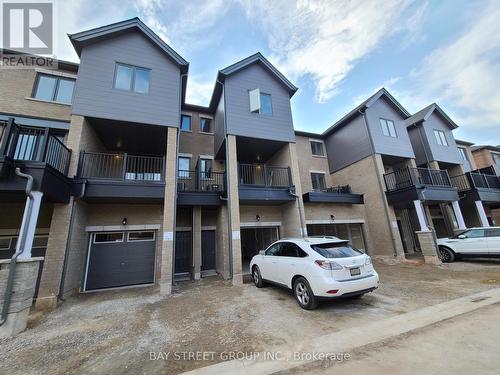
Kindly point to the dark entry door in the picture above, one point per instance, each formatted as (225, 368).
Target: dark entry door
(183, 250)
(120, 259)
(208, 250)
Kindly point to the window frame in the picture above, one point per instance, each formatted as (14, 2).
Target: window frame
(94, 239)
(55, 91)
(440, 137)
(132, 79)
(184, 170)
(260, 94)
(190, 123)
(321, 143)
(210, 122)
(463, 153)
(386, 122)
(10, 243)
(140, 231)
(323, 174)
(270, 104)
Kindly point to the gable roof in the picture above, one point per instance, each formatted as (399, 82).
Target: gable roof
(487, 147)
(366, 104)
(426, 112)
(242, 64)
(81, 39)
(257, 58)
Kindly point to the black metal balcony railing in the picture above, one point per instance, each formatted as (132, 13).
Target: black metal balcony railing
(27, 143)
(341, 189)
(198, 181)
(474, 180)
(120, 166)
(408, 177)
(264, 176)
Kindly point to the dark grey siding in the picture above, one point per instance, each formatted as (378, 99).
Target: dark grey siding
(447, 154)
(400, 146)
(348, 145)
(219, 130)
(94, 94)
(240, 121)
(420, 145)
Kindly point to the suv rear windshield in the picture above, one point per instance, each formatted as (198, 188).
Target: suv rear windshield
(336, 250)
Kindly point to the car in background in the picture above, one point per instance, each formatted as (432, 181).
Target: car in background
(315, 268)
(474, 242)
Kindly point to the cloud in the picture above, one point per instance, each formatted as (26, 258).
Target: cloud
(464, 74)
(199, 91)
(326, 39)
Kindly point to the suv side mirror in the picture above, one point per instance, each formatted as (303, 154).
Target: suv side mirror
(462, 236)
(262, 252)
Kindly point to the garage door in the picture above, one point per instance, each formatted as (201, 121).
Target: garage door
(120, 259)
(352, 232)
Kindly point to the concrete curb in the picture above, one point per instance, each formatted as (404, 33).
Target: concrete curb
(352, 338)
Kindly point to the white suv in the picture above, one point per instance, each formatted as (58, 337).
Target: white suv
(474, 242)
(315, 268)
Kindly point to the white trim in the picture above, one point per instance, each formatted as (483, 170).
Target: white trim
(55, 73)
(336, 221)
(119, 287)
(316, 140)
(252, 224)
(146, 240)
(320, 172)
(206, 157)
(206, 133)
(458, 215)
(183, 155)
(209, 227)
(421, 216)
(8, 247)
(115, 228)
(47, 101)
(482, 214)
(122, 240)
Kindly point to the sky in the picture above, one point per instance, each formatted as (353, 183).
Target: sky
(338, 52)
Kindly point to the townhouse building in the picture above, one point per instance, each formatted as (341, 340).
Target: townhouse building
(133, 186)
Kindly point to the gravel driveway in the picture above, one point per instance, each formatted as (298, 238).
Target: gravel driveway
(116, 331)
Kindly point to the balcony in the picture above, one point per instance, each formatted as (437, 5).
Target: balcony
(119, 177)
(427, 185)
(334, 194)
(38, 152)
(264, 184)
(200, 188)
(477, 186)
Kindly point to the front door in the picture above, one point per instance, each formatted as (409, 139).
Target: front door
(183, 251)
(208, 250)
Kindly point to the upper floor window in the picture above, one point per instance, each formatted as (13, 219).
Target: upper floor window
(317, 148)
(463, 154)
(496, 158)
(183, 163)
(260, 102)
(54, 89)
(205, 125)
(440, 137)
(185, 123)
(388, 128)
(205, 168)
(132, 78)
(318, 181)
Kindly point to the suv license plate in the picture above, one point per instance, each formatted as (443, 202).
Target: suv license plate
(355, 271)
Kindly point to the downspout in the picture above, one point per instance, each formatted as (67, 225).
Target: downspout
(22, 242)
(60, 296)
(229, 227)
(302, 224)
(386, 210)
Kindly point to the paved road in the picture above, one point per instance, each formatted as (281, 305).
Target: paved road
(466, 344)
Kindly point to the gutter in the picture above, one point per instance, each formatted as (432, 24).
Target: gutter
(22, 242)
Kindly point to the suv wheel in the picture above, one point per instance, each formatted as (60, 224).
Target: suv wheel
(446, 255)
(304, 295)
(257, 278)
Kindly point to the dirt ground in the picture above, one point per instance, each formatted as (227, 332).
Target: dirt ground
(120, 331)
